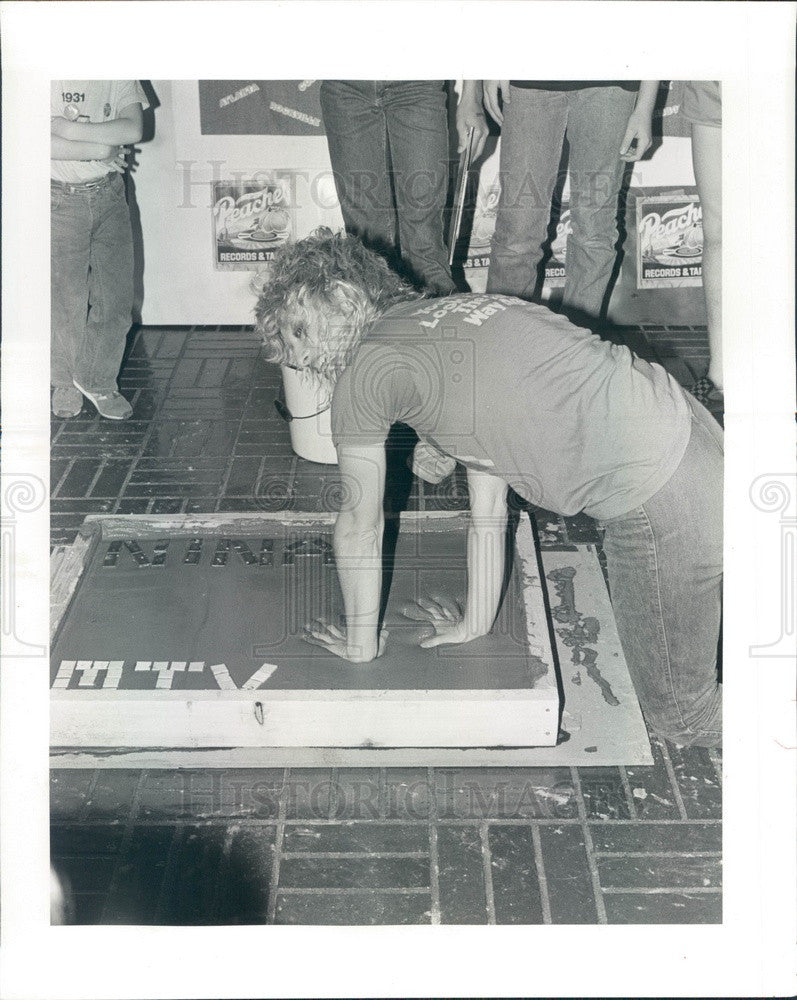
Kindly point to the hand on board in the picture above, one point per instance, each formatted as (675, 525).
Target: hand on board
(333, 640)
(444, 616)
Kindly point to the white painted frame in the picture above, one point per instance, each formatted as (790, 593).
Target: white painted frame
(353, 719)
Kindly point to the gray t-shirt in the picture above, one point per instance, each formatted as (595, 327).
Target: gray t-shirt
(571, 422)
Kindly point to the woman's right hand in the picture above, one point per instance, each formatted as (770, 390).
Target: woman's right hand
(333, 639)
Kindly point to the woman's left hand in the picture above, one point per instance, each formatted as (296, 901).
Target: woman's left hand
(333, 640)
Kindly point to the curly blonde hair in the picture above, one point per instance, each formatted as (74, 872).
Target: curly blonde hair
(329, 283)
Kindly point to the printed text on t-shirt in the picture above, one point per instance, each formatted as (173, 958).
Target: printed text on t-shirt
(473, 309)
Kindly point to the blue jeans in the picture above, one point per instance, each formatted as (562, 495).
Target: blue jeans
(664, 562)
(91, 274)
(535, 122)
(383, 131)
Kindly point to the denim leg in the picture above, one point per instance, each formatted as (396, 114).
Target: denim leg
(531, 148)
(354, 120)
(417, 128)
(110, 290)
(664, 561)
(596, 123)
(70, 230)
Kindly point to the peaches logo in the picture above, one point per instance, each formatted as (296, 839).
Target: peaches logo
(564, 227)
(239, 213)
(669, 240)
(675, 231)
(251, 221)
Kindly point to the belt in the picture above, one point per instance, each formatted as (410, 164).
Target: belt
(70, 188)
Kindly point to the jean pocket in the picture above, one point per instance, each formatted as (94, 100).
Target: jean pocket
(56, 198)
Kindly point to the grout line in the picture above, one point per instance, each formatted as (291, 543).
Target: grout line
(434, 860)
(487, 862)
(223, 869)
(279, 837)
(673, 779)
(589, 847)
(124, 844)
(133, 462)
(541, 876)
(353, 890)
(101, 465)
(261, 472)
(255, 821)
(232, 456)
(54, 489)
(333, 793)
(668, 890)
(632, 809)
(658, 854)
(346, 855)
(170, 871)
(434, 875)
(383, 793)
(717, 762)
(82, 820)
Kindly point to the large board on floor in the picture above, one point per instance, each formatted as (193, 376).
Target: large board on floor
(192, 639)
(178, 640)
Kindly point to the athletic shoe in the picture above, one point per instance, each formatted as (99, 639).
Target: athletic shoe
(706, 392)
(66, 402)
(110, 404)
(431, 464)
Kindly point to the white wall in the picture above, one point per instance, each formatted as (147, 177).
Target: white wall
(180, 282)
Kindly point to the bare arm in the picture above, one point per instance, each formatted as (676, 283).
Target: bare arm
(127, 128)
(470, 113)
(640, 123)
(70, 149)
(486, 554)
(357, 542)
(496, 94)
(486, 541)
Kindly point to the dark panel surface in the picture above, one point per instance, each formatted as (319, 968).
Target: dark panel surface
(179, 606)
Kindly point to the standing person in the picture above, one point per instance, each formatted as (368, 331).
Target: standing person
(522, 398)
(702, 107)
(92, 243)
(608, 124)
(388, 143)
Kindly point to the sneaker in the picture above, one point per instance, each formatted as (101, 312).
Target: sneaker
(110, 404)
(431, 464)
(707, 393)
(66, 402)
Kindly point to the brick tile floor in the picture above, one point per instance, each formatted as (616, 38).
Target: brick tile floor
(348, 846)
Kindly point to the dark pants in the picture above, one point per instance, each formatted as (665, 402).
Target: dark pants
(371, 126)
